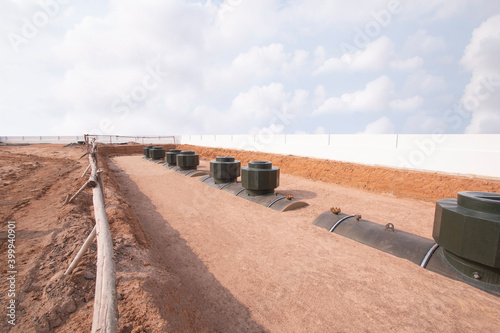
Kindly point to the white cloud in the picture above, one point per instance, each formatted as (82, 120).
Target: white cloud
(256, 66)
(422, 123)
(313, 15)
(407, 65)
(479, 53)
(240, 24)
(265, 104)
(261, 60)
(425, 83)
(319, 95)
(448, 9)
(382, 125)
(374, 97)
(299, 60)
(423, 43)
(237, 63)
(375, 56)
(319, 56)
(320, 130)
(405, 105)
(482, 94)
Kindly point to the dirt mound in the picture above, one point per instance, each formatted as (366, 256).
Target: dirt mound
(398, 182)
(34, 186)
(128, 149)
(35, 181)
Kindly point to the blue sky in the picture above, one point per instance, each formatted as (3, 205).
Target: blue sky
(239, 66)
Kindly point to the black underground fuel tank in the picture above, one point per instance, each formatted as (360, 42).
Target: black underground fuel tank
(225, 169)
(467, 228)
(260, 177)
(146, 151)
(171, 157)
(258, 182)
(466, 232)
(157, 153)
(383, 237)
(186, 162)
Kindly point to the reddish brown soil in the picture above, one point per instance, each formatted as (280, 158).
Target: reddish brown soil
(401, 183)
(398, 182)
(190, 258)
(34, 183)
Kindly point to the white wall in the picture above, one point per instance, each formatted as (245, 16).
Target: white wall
(477, 155)
(461, 154)
(41, 139)
(99, 138)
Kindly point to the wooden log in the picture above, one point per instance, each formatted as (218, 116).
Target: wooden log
(82, 251)
(105, 305)
(83, 155)
(85, 172)
(79, 191)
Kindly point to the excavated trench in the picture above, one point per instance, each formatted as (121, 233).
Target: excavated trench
(233, 239)
(466, 233)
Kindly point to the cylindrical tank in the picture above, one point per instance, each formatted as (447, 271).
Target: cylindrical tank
(151, 149)
(188, 160)
(172, 156)
(146, 150)
(225, 169)
(468, 229)
(260, 177)
(157, 153)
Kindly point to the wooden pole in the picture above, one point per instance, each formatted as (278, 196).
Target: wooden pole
(83, 155)
(105, 319)
(85, 172)
(82, 251)
(105, 306)
(79, 191)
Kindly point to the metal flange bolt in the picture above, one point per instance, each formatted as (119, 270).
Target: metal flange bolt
(188, 160)
(225, 169)
(260, 177)
(172, 156)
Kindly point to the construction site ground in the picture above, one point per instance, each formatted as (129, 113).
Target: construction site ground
(191, 258)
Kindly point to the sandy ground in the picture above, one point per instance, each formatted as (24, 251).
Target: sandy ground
(190, 258)
(247, 268)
